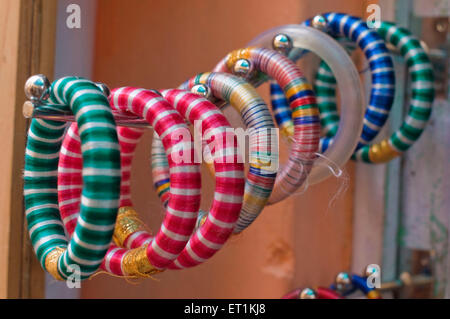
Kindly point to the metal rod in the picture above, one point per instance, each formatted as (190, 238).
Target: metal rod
(407, 280)
(41, 112)
(436, 54)
(31, 110)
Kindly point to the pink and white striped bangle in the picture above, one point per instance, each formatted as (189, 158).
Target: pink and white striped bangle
(182, 209)
(219, 223)
(229, 187)
(229, 183)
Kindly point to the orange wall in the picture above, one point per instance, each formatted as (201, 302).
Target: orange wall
(158, 44)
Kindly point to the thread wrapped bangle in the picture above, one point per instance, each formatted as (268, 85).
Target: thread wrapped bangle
(346, 284)
(380, 65)
(381, 68)
(422, 84)
(223, 215)
(421, 100)
(305, 114)
(263, 160)
(183, 205)
(300, 39)
(100, 184)
(218, 224)
(70, 179)
(182, 208)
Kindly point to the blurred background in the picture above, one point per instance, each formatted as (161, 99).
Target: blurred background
(394, 215)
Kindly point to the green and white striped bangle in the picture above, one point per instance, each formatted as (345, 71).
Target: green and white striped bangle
(101, 181)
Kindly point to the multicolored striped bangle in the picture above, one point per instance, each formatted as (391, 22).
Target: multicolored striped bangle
(130, 232)
(382, 72)
(263, 159)
(303, 39)
(100, 183)
(346, 284)
(305, 114)
(421, 101)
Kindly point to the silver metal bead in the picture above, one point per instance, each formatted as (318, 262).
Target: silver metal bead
(320, 22)
(37, 88)
(202, 90)
(282, 43)
(343, 282)
(308, 293)
(243, 68)
(104, 88)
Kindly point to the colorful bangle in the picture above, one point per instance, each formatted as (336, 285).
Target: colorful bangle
(292, 39)
(305, 114)
(422, 84)
(182, 209)
(129, 232)
(218, 224)
(256, 116)
(229, 184)
(100, 184)
(380, 64)
(346, 284)
(381, 68)
(421, 100)
(308, 293)
(70, 180)
(183, 205)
